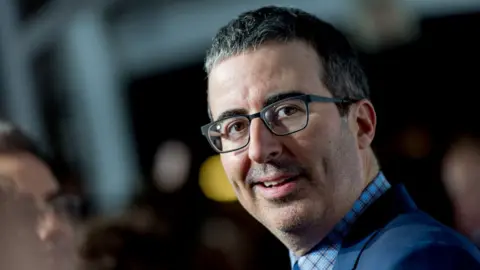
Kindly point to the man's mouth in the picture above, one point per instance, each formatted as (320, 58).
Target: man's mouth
(276, 183)
(276, 189)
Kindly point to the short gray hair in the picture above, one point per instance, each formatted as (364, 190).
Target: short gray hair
(343, 76)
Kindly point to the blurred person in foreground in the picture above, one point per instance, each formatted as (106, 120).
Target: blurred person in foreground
(461, 177)
(293, 122)
(36, 228)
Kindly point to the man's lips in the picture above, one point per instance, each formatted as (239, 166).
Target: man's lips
(276, 188)
(275, 180)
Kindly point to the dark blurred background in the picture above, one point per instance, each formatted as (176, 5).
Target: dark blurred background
(106, 85)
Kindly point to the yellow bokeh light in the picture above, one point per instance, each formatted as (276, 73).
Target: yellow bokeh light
(213, 181)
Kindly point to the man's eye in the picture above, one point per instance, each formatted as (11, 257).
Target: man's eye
(286, 111)
(236, 127)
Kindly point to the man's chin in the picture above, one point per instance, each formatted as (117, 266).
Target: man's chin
(290, 218)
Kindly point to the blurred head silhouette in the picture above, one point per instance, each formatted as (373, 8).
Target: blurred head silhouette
(461, 176)
(36, 224)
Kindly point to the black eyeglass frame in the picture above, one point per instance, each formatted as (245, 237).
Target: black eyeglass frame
(307, 99)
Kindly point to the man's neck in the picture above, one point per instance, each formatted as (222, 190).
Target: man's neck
(371, 166)
(307, 238)
(301, 242)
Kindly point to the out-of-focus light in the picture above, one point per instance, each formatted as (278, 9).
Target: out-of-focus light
(213, 181)
(171, 166)
(377, 24)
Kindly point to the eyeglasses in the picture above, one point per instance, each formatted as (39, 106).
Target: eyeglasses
(282, 118)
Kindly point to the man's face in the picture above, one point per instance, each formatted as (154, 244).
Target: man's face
(322, 162)
(27, 186)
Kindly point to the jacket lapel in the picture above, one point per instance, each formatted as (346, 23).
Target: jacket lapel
(393, 203)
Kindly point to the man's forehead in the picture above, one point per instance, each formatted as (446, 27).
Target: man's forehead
(29, 174)
(246, 80)
(251, 100)
(235, 106)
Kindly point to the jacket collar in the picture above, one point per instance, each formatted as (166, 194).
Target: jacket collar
(394, 202)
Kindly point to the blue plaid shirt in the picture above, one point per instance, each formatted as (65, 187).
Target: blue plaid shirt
(324, 255)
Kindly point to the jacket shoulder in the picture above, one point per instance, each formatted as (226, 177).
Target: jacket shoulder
(413, 238)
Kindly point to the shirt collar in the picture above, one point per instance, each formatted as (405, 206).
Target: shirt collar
(369, 195)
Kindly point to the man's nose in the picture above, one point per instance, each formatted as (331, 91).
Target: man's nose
(264, 145)
(50, 228)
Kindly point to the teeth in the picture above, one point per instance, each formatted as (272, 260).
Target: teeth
(273, 183)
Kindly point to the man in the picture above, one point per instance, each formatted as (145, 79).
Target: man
(293, 123)
(36, 228)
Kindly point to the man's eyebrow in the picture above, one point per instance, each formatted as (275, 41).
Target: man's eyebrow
(280, 96)
(230, 113)
(271, 99)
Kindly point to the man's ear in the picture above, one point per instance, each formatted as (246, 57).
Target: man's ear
(365, 120)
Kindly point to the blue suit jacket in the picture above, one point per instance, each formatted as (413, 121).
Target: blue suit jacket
(394, 234)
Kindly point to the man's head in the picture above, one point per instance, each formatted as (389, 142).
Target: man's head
(22, 163)
(319, 143)
(27, 182)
